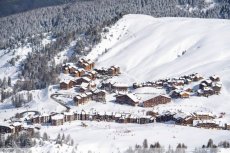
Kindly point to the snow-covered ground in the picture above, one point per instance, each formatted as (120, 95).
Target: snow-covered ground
(108, 137)
(147, 49)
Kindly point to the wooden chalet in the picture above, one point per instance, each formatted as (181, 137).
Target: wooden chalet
(208, 82)
(216, 88)
(65, 85)
(68, 116)
(208, 91)
(57, 119)
(82, 80)
(99, 96)
(196, 77)
(155, 100)
(165, 117)
(206, 124)
(204, 116)
(17, 127)
(82, 98)
(184, 94)
(88, 65)
(215, 78)
(181, 118)
(128, 99)
(174, 94)
(113, 70)
(119, 87)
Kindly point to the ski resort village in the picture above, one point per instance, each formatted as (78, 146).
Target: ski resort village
(148, 78)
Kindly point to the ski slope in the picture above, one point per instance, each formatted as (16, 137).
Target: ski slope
(148, 49)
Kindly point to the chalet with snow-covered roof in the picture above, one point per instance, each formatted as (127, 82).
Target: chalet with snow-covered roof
(208, 82)
(165, 116)
(204, 116)
(109, 116)
(57, 119)
(114, 70)
(182, 118)
(64, 85)
(83, 79)
(83, 98)
(99, 95)
(196, 77)
(84, 87)
(88, 65)
(184, 94)
(215, 78)
(107, 86)
(206, 124)
(202, 86)
(119, 87)
(68, 116)
(175, 94)
(188, 81)
(145, 119)
(216, 88)
(154, 100)
(128, 99)
(17, 126)
(208, 91)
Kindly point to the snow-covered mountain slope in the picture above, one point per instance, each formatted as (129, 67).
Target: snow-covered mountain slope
(148, 49)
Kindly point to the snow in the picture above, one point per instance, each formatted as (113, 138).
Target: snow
(147, 49)
(107, 137)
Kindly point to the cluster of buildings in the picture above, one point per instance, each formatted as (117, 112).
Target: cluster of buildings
(112, 71)
(83, 71)
(114, 87)
(210, 86)
(96, 95)
(197, 119)
(17, 126)
(56, 119)
(175, 86)
(84, 81)
(170, 83)
(144, 101)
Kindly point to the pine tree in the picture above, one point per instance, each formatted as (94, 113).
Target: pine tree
(9, 82)
(45, 136)
(145, 144)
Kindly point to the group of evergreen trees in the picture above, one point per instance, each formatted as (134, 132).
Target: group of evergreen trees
(80, 15)
(27, 140)
(181, 148)
(19, 99)
(81, 20)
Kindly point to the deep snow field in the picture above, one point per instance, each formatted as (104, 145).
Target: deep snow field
(147, 49)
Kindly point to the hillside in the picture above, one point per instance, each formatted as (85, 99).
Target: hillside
(146, 49)
(150, 48)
